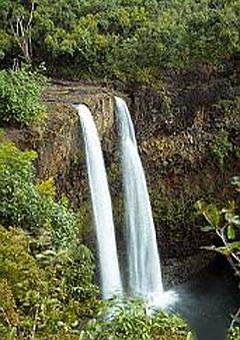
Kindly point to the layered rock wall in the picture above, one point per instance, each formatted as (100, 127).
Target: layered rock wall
(179, 126)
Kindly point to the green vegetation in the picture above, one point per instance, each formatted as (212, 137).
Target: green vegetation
(234, 334)
(221, 147)
(27, 205)
(225, 222)
(20, 92)
(129, 320)
(46, 273)
(36, 295)
(133, 40)
(47, 287)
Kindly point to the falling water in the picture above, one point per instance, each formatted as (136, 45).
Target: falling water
(102, 207)
(143, 259)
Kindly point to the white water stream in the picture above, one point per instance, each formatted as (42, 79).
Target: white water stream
(102, 206)
(145, 279)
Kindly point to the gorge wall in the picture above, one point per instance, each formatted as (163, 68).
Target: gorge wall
(188, 132)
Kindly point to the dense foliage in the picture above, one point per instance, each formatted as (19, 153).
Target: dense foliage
(120, 39)
(47, 290)
(36, 298)
(28, 205)
(20, 92)
(129, 320)
(234, 334)
(46, 273)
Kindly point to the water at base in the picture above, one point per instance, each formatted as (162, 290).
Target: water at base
(208, 300)
(102, 207)
(145, 280)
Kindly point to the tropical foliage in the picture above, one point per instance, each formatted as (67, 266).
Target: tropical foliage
(120, 39)
(20, 92)
(47, 286)
(225, 222)
(46, 273)
(129, 319)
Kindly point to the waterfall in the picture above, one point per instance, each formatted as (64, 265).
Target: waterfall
(144, 267)
(102, 206)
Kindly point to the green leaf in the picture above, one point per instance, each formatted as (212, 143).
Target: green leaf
(190, 336)
(231, 234)
(234, 245)
(212, 215)
(207, 228)
(198, 205)
(233, 219)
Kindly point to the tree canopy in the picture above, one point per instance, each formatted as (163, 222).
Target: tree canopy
(128, 40)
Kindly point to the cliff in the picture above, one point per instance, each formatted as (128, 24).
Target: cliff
(188, 134)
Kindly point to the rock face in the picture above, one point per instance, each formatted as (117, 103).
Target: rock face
(57, 138)
(188, 136)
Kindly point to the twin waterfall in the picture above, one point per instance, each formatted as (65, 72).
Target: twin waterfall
(143, 260)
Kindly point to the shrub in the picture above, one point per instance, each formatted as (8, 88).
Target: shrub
(225, 222)
(33, 208)
(27, 205)
(221, 147)
(20, 202)
(20, 95)
(20, 279)
(46, 273)
(78, 272)
(43, 292)
(129, 320)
